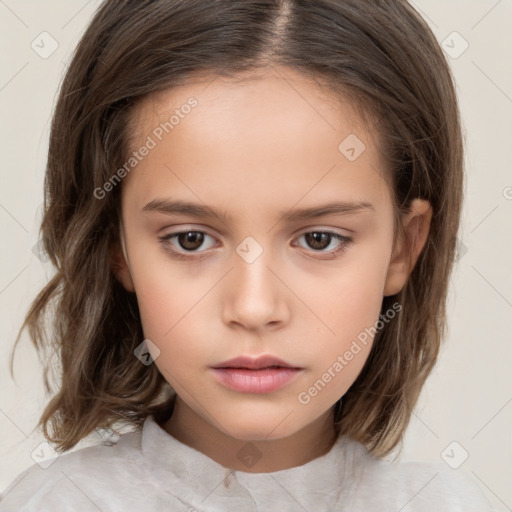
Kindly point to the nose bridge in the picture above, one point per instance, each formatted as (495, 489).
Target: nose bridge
(256, 297)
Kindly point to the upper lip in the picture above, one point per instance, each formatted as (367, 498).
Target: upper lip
(254, 363)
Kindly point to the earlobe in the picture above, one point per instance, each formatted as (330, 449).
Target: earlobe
(410, 242)
(120, 267)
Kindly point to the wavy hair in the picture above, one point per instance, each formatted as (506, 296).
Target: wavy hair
(379, 53)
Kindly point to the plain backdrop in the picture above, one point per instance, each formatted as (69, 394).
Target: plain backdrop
(465, 412)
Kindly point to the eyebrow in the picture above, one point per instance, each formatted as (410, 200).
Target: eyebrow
(170, 207)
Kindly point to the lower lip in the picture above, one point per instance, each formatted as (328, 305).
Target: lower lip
(265, 380)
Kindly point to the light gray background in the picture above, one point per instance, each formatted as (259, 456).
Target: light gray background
(467, 400)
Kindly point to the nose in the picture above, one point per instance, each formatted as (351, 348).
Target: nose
(255, 297)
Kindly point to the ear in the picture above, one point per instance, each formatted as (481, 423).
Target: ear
(120, 267)
(408, 246)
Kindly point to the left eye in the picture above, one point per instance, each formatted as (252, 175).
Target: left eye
(320, 241)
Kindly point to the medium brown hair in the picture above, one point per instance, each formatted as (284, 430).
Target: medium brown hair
(378, 52)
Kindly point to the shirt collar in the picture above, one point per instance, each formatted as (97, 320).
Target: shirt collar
(204, 484)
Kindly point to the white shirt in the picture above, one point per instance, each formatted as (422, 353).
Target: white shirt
(150, 470)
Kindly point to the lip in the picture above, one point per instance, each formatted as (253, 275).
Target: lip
(265, 380)
(254, 363)
(264, 374)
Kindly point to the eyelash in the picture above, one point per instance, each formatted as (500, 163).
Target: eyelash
(345, 242)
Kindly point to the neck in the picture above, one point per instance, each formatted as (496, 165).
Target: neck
(257, 456)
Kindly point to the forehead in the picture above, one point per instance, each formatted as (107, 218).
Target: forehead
(276, 93)
(276, 129)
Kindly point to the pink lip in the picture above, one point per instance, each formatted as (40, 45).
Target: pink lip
(265, 380)
(253, 363)
(263, 374)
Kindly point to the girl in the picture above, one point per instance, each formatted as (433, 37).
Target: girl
(252, 210)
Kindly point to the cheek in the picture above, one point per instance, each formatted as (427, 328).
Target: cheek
(348, 305)
(170, 314)
(167, 292)
(173, 306)
(358, 297)
(163, 305)
(338, 357)
(348, 299)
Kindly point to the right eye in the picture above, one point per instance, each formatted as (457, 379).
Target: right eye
(183, 242)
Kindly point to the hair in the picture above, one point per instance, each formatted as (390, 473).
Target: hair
(379, 53)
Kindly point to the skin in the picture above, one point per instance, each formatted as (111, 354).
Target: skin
(253, 149)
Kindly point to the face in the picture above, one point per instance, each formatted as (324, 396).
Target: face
(257, 224)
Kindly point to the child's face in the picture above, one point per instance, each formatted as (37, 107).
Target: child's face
(254, 282)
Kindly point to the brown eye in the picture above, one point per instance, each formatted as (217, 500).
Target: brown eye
(318, 240)
(188, 244)
(191, 240)
(324, 243)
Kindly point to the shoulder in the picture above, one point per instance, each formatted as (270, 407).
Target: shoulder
(74, 480)
(414, 486)
(429, 485)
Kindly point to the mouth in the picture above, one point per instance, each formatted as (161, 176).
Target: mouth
(265, 374)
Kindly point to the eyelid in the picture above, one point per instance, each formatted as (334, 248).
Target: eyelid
(324, 229)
